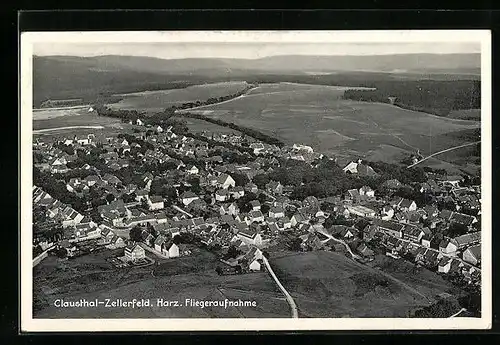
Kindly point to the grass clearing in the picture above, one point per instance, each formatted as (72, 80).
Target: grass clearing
(327, 284)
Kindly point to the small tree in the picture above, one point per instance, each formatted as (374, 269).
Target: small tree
(135, 234)
(218, 269)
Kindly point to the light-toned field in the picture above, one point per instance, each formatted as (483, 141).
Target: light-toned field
(50, 113)
(80, 118)
(178, 279)
(327, 284)
(317, 115)
(159, 100)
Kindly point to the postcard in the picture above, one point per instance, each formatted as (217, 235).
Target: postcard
(255, 180)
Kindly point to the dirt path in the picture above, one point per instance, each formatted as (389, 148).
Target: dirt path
(443, 151)
(289, 298)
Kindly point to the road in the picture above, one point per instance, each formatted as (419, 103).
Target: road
(289, 299)
(458, 312)
(443, 151)
(182, 211)
(323, 232)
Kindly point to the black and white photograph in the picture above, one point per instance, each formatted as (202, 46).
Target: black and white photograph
(265, 180)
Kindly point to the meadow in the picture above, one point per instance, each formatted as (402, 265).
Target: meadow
(327, 284)
(155, 101)
(317, 115)
(69, 117)
(92, 277)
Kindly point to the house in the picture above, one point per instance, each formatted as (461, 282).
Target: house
(222, 195)
(463, 219)
(448, 265)
(159, 241)
(250, 236)
(193, 170)
(364, 250)
(390, 228)
(467, 240)
(297, 218)
(387, 213)
(276, 212)
(360, 169)
(253, 258)
(361, 211)
(256, 216)
(251, 187)
(139, 122)
(155, 202)
(447, 247)
(353, 195)
(405, 205)
(225, 181)
(188, 197)
(237, 192)
(170, 249)
(472, 255)
(117, 242)
(134, 252)
(413, 233)
(229, 209)
(367, 191)
(255, 205)
(274, 187)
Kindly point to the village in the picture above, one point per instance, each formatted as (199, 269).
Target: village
(159, 193)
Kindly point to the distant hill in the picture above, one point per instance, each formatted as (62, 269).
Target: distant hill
(59, 77)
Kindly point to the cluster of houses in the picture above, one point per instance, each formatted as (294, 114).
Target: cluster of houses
(213, 211)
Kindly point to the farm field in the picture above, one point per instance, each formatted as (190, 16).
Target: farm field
(318, 116)
(470, 114)
(92, 277)
(159, 100)
(327, 284)
(70, 118)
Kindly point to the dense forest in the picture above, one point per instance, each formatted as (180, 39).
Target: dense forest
(430, 96)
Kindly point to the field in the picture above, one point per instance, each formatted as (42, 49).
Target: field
(327, 284)
(159, 100)
(69, 117)
(92, 277)
(471, 114)
(317, 115)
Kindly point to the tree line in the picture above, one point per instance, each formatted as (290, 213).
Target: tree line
(430, 96)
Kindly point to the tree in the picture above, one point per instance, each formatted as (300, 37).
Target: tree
(218, 269)
(110, 198)
(296, 244)
(61, 252)
(135, 234)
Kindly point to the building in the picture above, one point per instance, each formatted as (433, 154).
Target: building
(361, 211)
(472, 255)
(134, 252)
(155, 202)
(188, 197)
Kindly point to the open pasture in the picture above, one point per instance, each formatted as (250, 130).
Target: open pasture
(317, 115)
(326, 284)
(155, 101)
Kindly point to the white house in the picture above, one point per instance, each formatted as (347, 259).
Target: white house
(139, 122)
(134, 252)
(155, 202)
(250, 237)
(225, 181)
(367, 191)
(472, 254)
(447, 247)
(188, 197)
(193, 170)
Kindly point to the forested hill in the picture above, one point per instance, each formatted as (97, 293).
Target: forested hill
(67, 77)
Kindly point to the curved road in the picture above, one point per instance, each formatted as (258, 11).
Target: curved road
(323, 232)
(443, 151)
(289, 298)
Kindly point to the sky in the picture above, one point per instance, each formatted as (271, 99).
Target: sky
(253, 50)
